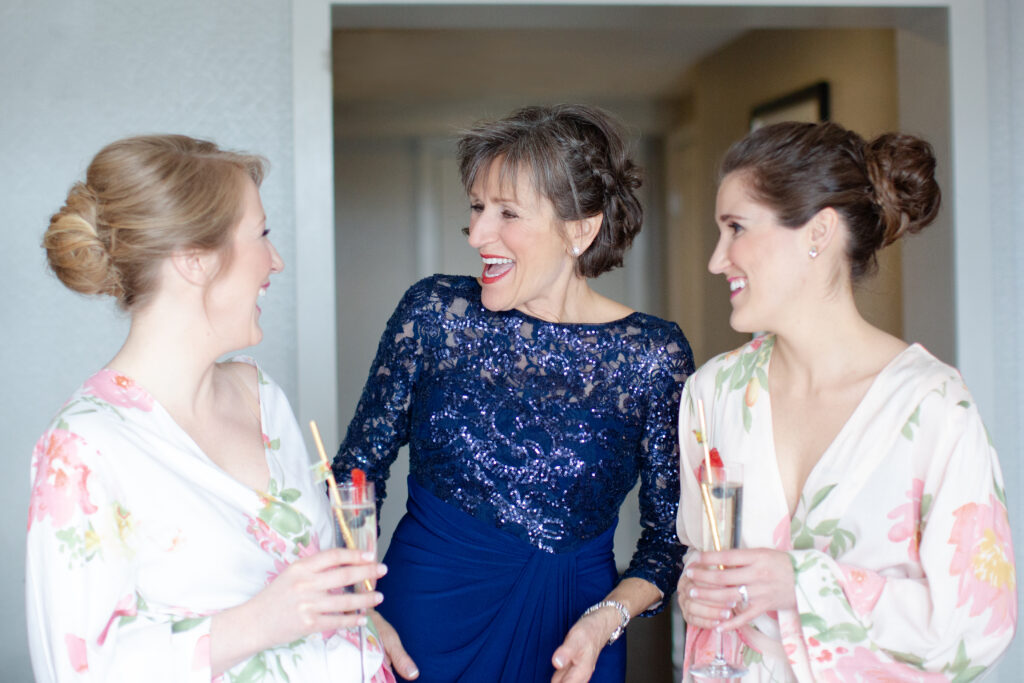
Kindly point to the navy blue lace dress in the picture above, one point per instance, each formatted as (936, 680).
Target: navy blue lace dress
(525, 437)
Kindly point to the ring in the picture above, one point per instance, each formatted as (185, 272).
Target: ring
(744, 597)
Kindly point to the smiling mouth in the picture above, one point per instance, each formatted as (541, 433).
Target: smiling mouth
(495, 268)
(737, 285)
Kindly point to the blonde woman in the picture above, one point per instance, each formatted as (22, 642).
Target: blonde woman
(175, 531)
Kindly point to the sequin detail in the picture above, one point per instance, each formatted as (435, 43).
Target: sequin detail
(538, 428)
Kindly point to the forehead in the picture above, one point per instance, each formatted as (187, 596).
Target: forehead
(497, 177)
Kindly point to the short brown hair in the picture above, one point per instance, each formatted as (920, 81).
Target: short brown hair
(143, 199)
(883, 189)
(577, 159)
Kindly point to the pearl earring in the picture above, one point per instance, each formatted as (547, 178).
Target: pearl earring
(813, 253)
(575, 250)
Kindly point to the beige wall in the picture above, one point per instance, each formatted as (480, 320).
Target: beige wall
(860, 66)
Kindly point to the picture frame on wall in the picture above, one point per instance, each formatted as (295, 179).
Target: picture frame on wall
(808, 105)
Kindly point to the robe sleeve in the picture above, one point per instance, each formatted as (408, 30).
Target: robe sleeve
(86, 621)
(380, 426)
(958, 616)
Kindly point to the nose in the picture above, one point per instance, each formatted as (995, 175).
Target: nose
(719, 260)
(480, 231)
(276, 262)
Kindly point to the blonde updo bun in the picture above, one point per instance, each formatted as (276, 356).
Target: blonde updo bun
(74, 249)
(145, 198)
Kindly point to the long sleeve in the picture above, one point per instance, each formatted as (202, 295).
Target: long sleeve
(956, 615)
(86, 621)
(658, 557)
(380, 426)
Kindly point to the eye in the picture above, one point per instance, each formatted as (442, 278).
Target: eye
(735, 227)
(509, 214)
(476, 207)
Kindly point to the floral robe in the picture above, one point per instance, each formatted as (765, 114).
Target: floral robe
(900, 541)
(135, 538)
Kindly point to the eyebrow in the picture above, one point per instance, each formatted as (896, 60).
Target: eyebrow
(726, 217)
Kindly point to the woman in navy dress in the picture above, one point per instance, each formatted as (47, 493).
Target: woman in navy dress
(532, 404)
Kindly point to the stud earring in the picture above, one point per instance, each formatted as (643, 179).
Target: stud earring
(813, 252)
(575, 250)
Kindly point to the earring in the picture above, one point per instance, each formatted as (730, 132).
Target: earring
(575, 250)
(813, 253)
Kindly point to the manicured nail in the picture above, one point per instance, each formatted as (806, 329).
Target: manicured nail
(412, 673)
(361, 621)
(725, 614)
(378, 598)
(689, 573)
(369, 557)
(732, 604)
(382, 569)
(558, 663)
(693, 592)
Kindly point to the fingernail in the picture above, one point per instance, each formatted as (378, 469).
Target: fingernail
(732, 604)
(693, 592)
(382, 569)
(369, 557)
(378, 598)
(689, 573)
(412, 673)
(718, 629)
(361, 621)
(558, 662)
(725, 614)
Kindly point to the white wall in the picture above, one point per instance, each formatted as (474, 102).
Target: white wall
(74, 76)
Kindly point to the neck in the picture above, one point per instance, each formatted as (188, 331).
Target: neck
(171, 352)
(576, 302)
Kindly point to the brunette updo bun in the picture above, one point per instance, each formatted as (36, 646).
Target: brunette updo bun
(143, 199)
(883, 189)
(578, 160)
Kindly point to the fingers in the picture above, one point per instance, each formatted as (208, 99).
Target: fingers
(401, 662)
(336, 577)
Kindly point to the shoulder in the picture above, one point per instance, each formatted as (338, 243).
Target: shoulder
(661, 336)
(745, 359)
(440, 293)
(928, 383)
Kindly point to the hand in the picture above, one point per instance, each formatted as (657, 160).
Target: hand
(710, 597)
(307, 597)
(394, 653)
(576, 657)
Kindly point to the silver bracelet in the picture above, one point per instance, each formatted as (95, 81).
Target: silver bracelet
(623, 616)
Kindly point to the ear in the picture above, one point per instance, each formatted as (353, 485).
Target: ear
(823, 229)
(194, 266)
(583, 232)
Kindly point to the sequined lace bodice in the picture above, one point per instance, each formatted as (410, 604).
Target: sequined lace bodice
(538, 428)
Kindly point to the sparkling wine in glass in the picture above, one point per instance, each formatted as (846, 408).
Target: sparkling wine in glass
(355, 526)
(725, 490)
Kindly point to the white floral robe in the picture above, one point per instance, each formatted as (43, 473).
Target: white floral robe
(900, 541)
(135, 538)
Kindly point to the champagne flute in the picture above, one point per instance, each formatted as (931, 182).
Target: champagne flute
(725, 492)
(355, 526)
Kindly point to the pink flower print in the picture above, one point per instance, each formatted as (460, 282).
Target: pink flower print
(77, 654)
(384, 675)
(864, 665)
(984, 561)
(126, 607)
(756, 344)
(267, 538)
(118, 390)
(908, 526)
(781, 536)
(201, 654)
(862, 588)
(313, 548)
(279, 566)
(61, 481)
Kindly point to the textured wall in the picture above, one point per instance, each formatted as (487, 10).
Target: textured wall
(76, 76)
(1006, 174)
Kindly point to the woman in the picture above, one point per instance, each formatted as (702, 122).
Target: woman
(531, 404)
(875, 542)
(175, 527)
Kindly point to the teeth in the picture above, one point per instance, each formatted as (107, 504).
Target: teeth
(738, 283)
(496, 261)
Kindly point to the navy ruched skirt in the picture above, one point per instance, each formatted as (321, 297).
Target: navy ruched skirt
(475, 604)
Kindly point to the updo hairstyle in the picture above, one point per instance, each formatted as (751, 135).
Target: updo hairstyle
(145, 198)
(577, 159)
(882, 189)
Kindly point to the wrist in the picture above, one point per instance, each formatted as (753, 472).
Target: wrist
(615, 617)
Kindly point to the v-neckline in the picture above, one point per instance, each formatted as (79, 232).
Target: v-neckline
(838, 438)
(157, 405)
